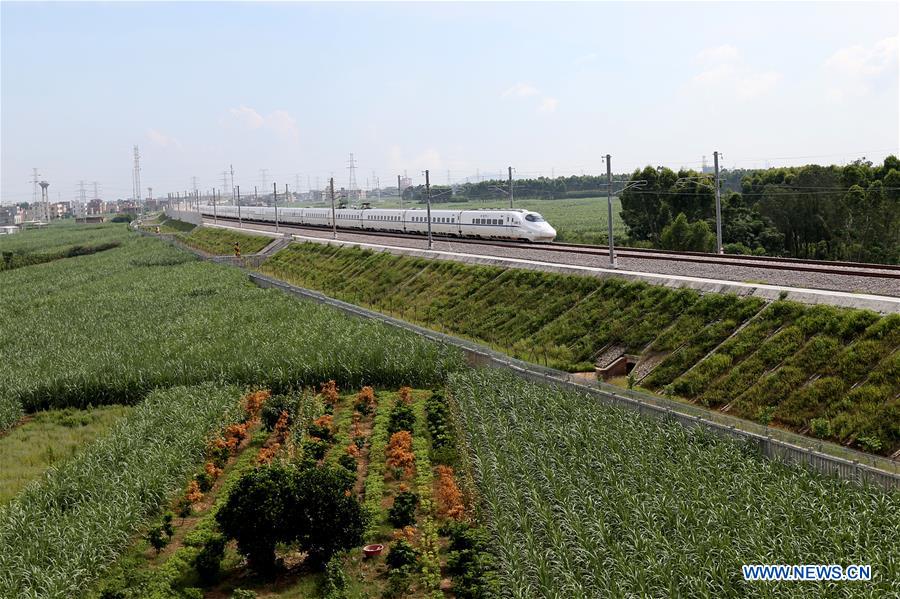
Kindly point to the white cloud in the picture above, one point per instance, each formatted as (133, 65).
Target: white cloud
(724, 53)
(548, 105)
(521, 90)
(754, 85)
(854, 71)
(723, 69)
(162, 140)
(278, 121)
(247, 117)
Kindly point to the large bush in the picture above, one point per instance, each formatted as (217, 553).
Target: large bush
(285, 504)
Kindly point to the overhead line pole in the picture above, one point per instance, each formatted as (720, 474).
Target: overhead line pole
(428, 200)
(400, 192)
(215, 212)
(240, 222)
(609, 216)
(333, 220)
(275, 201)
(719, 248)
(510, 189)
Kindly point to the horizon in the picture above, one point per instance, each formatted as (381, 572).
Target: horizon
(462, 90)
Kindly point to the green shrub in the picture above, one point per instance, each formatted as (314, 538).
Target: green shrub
(315, 448)
(402, 418)
(403, 512)
(402, 555)
(209, 560)
(274, 407)
(285, 504)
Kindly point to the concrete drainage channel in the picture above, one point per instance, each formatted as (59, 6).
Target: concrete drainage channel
(787, 447)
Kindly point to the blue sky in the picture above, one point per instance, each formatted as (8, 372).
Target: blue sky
(466, 88)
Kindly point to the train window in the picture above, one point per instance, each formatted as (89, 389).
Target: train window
(534, 218)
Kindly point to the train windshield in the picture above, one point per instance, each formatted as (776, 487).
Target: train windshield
(534, 217)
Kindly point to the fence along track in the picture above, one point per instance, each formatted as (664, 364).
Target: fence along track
(786, 447)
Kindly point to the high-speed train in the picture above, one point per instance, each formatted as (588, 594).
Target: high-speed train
(487, 224)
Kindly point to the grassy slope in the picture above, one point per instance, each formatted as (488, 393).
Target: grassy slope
(46, 440)
(670, 512)
(828, 372)
(221, 241)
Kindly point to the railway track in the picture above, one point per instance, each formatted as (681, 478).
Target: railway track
(853, 269)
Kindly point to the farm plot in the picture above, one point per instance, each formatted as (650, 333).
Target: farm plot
(49, 438)
(63, 240)
(583, 501)
(369, 460)
(146, 315)
(62, 531)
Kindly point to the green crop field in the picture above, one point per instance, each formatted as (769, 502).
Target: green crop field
(47, 439)
(826, 372)
(60, 240)
(590, 501)
(147, 315)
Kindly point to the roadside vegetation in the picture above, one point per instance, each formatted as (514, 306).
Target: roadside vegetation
(583, 501)
(826, 372)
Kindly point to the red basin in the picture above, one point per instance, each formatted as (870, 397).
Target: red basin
(371, 550)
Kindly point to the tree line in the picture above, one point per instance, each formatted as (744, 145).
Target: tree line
(821, 212)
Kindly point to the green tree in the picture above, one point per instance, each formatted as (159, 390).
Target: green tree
(685, 236)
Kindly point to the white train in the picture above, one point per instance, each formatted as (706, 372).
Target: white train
(487, 224)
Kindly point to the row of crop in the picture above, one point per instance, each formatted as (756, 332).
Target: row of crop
(147, 315)
(670, 511)
(66, 528)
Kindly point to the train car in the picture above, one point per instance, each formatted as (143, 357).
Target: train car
(515, 224)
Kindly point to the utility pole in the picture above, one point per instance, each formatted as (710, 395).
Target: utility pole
(609, 215)
(428, 204)
(510, 188)
(225, 185)
(719, 248)
(275, 200)
(231, 166)
(215, 211)
(333, 221)
(400, 192)
(240, 222)
(34, 180)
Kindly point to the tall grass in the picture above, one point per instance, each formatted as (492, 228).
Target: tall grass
(64, 529)
(590, 501)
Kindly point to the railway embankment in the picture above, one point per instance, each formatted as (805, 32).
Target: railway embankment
(826, 372)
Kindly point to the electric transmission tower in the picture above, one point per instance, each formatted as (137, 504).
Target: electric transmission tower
(264, 178)
(225, 185)
(351, 164)
(35, 177)
(137, 178)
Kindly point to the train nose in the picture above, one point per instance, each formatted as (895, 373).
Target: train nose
(546, 233)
